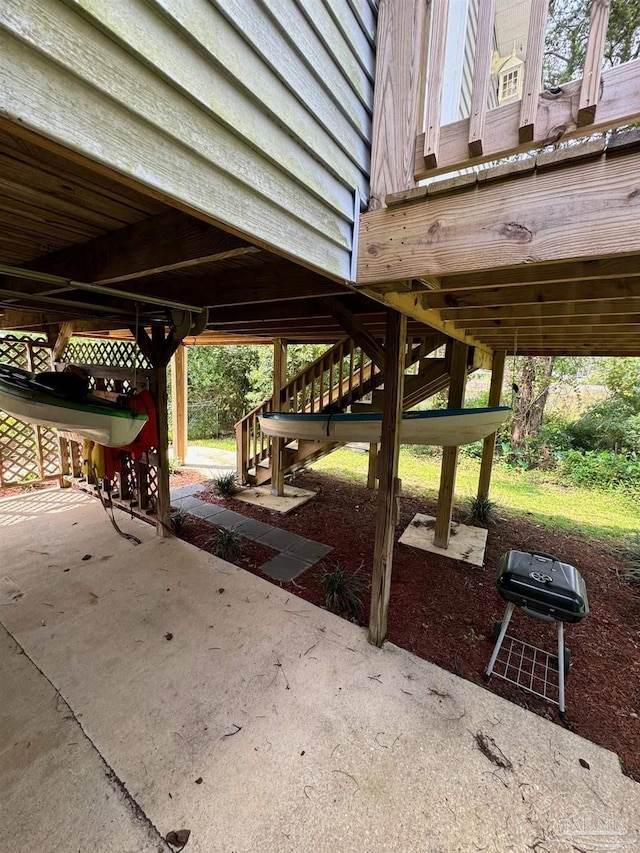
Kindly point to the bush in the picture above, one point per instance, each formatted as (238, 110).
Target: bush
(225, 485)
(226, 544)
(602, 469)
(482, 510)
(343, 590)
(611, 425)
(179, 521)
(543, 450)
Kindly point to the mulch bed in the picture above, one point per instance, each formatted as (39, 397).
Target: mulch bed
(443, 610)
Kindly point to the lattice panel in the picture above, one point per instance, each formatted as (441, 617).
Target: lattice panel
(105, 352)
(27, 453)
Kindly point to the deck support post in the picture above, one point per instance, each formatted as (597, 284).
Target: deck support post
(372, 473)
(180, 402)
(277, 444)
(386, 517)
(489, 445)
(457, 352)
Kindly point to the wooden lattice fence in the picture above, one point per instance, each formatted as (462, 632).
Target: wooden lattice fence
(28, 454)
(115, 368)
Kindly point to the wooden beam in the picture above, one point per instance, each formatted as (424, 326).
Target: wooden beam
(590, 88)
(398, 97)
(597, 320)
(277, 444)
(356, 330)
(510, 315)
(489, 444)
(481, 75)
(533, 69)
(496, 298)
(386, 513)
(65, 331)
(586, 269)
(457, 353)
(413, 305)
(163, 505)
(179, 396)
(435, 81)
(372, 467)
(556, 119)
(162, 243)
(585, 210)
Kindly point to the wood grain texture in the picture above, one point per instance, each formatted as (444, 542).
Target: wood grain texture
(556, 119)
(179, 398)
(435, 82)
(457, 356)
(533, 69)
(388, 468)
(277, 444)
(511, 315)
(481, 75)
(589, 90)
(489, 444)
(357, 331)
(586, 210)
(398, 98)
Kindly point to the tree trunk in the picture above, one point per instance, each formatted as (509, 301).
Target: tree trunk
(532, 395)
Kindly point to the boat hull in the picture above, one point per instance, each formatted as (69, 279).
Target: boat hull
(444, 428)
(93, 418)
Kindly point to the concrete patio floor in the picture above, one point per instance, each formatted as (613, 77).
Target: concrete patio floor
(199, 696)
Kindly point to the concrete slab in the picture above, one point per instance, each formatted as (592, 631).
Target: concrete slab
(252, 529)
(279, 539)
(466, 543)
(261, 496)
(204, 509)
(284, 567)
(229, 519)
(56, 791)
(186, 504)
(187, 491)
(305, 736)
(308, 550)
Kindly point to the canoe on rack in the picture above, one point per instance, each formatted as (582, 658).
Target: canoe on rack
(58, 400)
(440, 427)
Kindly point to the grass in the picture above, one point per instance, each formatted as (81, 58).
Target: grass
(216, 443)
(534, 495)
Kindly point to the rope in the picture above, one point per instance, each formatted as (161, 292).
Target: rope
(110, 515)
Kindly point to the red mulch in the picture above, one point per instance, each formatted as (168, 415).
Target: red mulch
(186, 477)
(443, 610)
(14, 491)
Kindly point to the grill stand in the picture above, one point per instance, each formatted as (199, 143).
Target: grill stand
(542, 662)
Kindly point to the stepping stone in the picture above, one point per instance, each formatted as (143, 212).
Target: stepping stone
(284, 568)
(229, 519)
(279, 539)
(203, 509)
(253, 529)
(307, 550)
(186, 504)
(187, 491)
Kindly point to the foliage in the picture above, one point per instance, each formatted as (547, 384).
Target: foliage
(482, 510)
(602, 469)
(541, 450)
(631, 560)
(179, 521)
(261, 377)
(226, 485)
(621, 377)
(343, 590)
(226, 544)
(174, 464)
(568, 30)
(611, 425)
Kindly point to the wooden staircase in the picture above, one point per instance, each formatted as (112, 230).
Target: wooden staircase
(344, 376)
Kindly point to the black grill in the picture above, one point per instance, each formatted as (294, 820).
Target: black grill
(542, 586)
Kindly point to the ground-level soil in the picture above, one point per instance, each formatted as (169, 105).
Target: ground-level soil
(444, 610)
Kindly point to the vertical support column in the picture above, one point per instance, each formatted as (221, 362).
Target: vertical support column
(277, 444)
(163, 506)
(372, 473)
(180, 402)
(458, 372)
(396, 337)
(488, 448)
(399, 96)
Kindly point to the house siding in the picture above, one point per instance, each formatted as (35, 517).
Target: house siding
(253, 113)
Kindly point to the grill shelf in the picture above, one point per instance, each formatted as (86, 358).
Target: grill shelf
(534, 670)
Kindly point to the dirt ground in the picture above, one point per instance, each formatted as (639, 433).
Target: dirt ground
(444, 610)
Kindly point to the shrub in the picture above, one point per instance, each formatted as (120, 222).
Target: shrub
(343, 590)
(631, 560)
(178, 521)
(482, 510)
(174, 464)
(602, 469)
(225, 485)
(612, 425)
(226, 544)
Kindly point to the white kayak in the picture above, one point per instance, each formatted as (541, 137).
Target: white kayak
(440, 427)
(51, 400)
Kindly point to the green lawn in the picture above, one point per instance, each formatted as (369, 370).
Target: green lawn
(535, 495)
